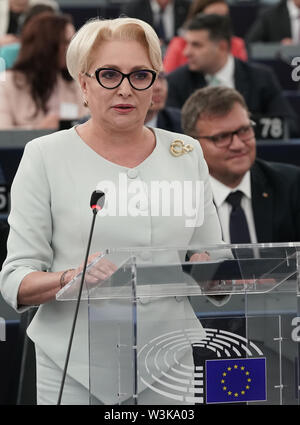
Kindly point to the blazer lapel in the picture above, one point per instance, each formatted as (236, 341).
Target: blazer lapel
(262, 199)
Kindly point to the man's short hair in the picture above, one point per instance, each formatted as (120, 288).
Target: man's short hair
(217, 26)
(209, 102)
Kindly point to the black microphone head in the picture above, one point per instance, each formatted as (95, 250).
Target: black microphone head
(97, 200)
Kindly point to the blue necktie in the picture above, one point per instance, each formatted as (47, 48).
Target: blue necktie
(238, 227)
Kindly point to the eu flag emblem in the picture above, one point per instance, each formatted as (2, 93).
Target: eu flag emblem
(235, 380)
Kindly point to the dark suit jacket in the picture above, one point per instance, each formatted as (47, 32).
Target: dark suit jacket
(170, 119)
(272, 25)
(141, 9)
(257, 83)
(275, 191)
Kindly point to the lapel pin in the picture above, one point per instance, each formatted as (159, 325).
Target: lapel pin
(265, 195)
(178, 148)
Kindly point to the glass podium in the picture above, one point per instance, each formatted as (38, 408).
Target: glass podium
(165, 330)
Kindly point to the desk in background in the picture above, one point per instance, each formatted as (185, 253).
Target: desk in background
(12, 145)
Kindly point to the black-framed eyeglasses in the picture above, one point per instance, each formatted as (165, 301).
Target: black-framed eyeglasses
(110, 78)
(223, 140)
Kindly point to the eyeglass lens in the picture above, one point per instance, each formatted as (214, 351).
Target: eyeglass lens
(244, 133)
(111, 78)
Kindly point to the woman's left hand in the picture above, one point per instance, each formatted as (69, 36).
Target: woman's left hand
(200, 256)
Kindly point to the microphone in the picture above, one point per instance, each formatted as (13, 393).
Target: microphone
(96, 203)
(97, 200)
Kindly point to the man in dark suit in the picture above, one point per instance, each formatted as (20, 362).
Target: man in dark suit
(173, 13)
(278, 23)
(210, 63)
(158, 114)
(270, 192)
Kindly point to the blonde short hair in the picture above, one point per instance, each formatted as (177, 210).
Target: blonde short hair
(94, 32)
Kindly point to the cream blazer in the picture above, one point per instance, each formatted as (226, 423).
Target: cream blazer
(49, 226)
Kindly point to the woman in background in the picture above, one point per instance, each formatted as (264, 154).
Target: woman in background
(38, 91)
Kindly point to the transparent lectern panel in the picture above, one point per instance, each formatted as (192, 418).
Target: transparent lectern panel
(271, 309)
(112, 342)
(112, 269)
(265, 268)
(272, 332)
(165, 335)
(164, 330)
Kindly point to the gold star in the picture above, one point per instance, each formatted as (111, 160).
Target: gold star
(224, 388)
(247, 373)
(243, 392)
(223, 381)
(247, 387)
(242, 367)
(248, 380)
(236, 394)
(236, 366)
(224, 374)
(229, 368)
(229, 393)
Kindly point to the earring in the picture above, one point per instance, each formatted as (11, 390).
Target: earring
(85, 103)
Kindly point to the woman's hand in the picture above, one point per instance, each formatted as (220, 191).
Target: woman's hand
(200, 256)
(100, 271)
(40, 287)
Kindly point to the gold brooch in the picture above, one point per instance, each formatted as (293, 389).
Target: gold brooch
(178, 148)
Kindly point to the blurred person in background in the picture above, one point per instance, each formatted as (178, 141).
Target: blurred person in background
(278, 23)
(38, 91)
(266, 193)
(165, 16)
(159, 115)
(11, 12)
(210, 63)
(174, 56)
(10, 51)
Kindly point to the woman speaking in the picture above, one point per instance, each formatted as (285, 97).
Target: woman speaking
(115, 63)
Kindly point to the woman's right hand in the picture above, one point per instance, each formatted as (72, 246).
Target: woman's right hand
(100, 271)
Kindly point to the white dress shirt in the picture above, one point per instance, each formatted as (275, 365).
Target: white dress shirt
(225, 76)
(294, 13)
(220, 193)
(168, 17)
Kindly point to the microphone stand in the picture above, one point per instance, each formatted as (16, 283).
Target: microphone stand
(95, 211)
